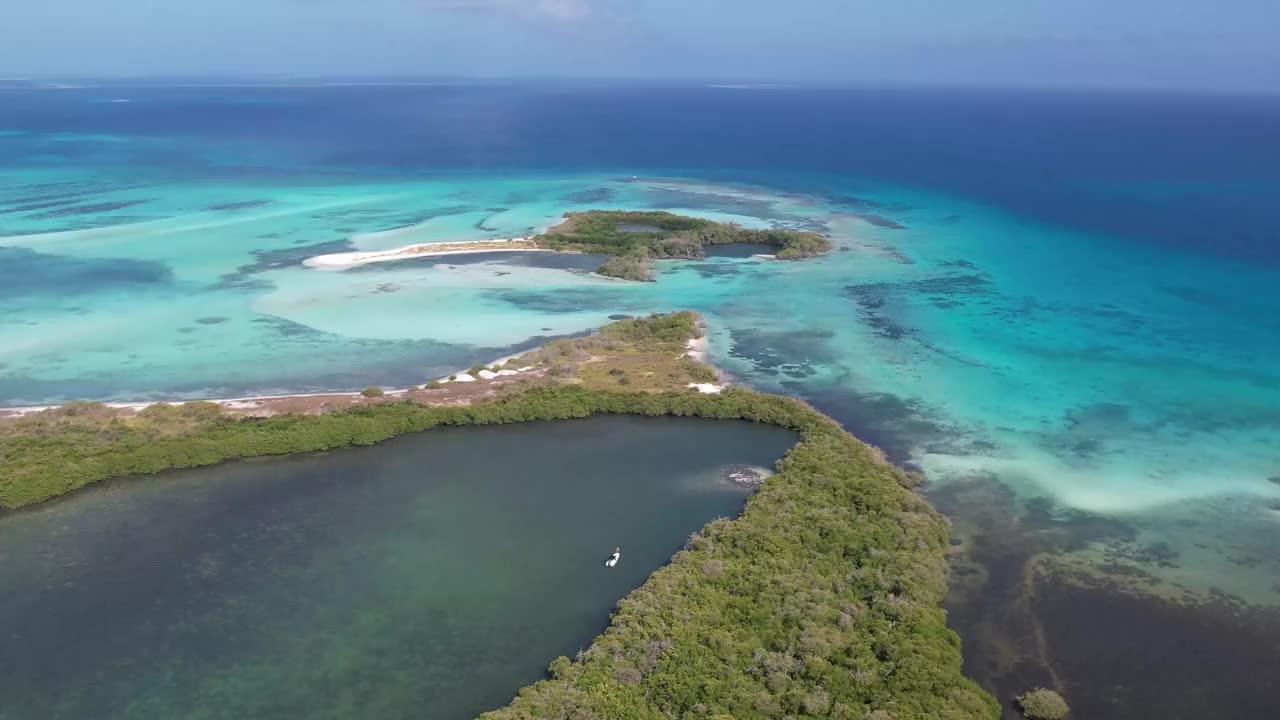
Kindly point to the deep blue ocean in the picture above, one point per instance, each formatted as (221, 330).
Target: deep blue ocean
(1198, 171)
(1063, 307)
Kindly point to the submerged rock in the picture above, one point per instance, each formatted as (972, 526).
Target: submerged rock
(748, 476)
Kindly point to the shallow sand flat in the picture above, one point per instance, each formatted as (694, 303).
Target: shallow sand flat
(337, 261)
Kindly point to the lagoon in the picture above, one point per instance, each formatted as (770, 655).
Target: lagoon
(430, 576)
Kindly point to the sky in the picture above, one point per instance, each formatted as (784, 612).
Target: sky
(1157, 44)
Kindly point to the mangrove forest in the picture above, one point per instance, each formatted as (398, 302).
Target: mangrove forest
(632, 238)
(821, 600)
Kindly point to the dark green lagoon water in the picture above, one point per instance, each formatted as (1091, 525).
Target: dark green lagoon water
(428, 577)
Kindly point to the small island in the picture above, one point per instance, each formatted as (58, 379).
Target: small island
(632, 238)
(629, 239)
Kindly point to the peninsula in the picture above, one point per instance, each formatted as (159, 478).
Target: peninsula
(820, 599)
(629, 239)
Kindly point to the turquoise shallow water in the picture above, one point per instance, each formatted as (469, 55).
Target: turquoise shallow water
(1092, 356)
(1069, 366)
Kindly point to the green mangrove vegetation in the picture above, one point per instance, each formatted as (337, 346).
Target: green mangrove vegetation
(820, 600)
(1043, 704)
(632, 238)
(636, 354)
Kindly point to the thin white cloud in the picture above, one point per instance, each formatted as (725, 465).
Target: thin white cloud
(561, 10)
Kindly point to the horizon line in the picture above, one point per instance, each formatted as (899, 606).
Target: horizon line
(63, 81)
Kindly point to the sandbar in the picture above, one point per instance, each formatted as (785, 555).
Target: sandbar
(339, 261)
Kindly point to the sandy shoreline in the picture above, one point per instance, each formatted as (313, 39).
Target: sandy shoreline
(461, 384)
(459, 388)
(240, 403)
(697, 348)
(266, 404)
(339, 261)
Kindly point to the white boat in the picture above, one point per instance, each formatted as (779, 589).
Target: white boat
(613, 559)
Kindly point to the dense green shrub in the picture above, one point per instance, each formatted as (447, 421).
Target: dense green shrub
(372, 392)
(700, 372)
(669, 328)
(803, 245)
(1042, 704)
(632, 266)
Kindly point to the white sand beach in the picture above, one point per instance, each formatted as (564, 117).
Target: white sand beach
(697, 348)
(340, 261)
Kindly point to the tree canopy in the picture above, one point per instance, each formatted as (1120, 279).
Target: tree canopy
(631, 238)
